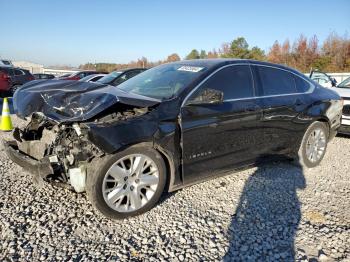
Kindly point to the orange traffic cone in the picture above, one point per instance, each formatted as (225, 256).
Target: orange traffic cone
(5, 124)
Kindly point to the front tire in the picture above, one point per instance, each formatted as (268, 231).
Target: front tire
(313, 146)
(127, 183)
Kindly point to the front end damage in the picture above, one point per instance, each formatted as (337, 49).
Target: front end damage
(62, 152)
(71, 123)
(53, 152)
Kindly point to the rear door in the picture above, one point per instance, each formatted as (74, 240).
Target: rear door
(281, 103)
(218, 137)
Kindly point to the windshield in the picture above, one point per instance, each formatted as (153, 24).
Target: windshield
(162, 82)
(345, 83)
(110, 77)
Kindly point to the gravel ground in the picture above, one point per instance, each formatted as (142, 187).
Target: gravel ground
(274, 212)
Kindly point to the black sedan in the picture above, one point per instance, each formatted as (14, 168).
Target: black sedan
(169, 127)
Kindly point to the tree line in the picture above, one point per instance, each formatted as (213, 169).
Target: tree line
(303, 54)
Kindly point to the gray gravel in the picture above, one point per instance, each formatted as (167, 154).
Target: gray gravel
(274, 212)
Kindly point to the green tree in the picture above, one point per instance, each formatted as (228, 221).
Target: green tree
(203, 54)
(239, 48)
(194, 54)
(321, 63)
(257, 54)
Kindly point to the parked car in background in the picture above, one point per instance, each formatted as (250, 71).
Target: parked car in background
(4, 62)
(169, 127)
(18, 76)
(323, 79)
(345, 83)
(343, 89)
(5, 83)
(92, 78)
(117, 77)
(64, 75)
(79, 75)
(43, 76)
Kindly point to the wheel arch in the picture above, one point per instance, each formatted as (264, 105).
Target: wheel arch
(324, 119)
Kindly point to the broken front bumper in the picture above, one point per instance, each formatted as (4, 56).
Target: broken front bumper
(39, 168)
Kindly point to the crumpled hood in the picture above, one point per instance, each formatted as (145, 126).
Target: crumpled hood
(70, 101)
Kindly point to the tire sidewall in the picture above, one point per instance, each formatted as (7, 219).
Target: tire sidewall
(95, 181)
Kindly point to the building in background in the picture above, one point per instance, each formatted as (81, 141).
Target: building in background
(31, 67)
(40, 69)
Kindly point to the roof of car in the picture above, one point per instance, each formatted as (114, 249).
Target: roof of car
(217, 62)
(129, 69)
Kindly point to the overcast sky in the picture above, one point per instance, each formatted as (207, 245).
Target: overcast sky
(76, 32)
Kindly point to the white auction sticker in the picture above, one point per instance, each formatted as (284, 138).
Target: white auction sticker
(193, 69)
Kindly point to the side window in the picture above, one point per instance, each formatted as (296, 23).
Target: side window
(275, 81)
(94, 79)
(18, 72)
(234, 81)
(301, 85)
(132, 74)
(81, 75)
(120, 80)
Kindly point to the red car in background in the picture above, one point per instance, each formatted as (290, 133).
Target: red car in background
(5, 83)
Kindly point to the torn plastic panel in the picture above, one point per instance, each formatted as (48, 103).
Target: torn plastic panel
(53, 152)
(73, 101)
(67, 148)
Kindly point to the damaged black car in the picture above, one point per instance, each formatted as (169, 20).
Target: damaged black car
(169, 127)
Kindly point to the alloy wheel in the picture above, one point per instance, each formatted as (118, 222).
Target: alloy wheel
(130, 183)
(316, 145)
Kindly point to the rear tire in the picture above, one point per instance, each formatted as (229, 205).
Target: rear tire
(127, 183)
(313, 146)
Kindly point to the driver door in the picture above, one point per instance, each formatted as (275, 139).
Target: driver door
(220, 135)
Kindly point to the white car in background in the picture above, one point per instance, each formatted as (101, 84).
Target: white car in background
(343, 89)
(6, 63)
(92, 78)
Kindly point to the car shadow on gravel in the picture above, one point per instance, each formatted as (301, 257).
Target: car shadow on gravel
(267, 215)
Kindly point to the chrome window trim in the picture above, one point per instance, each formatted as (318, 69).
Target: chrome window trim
(311, 89)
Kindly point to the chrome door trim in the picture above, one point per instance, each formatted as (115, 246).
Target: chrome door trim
(311, 89)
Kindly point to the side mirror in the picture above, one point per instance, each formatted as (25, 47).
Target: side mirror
(207, 96)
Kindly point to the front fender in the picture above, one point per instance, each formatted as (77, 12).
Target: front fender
(110, 137)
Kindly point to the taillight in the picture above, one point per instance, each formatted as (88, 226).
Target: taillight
(30, 78)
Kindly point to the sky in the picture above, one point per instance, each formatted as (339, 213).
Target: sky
(73, 32)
